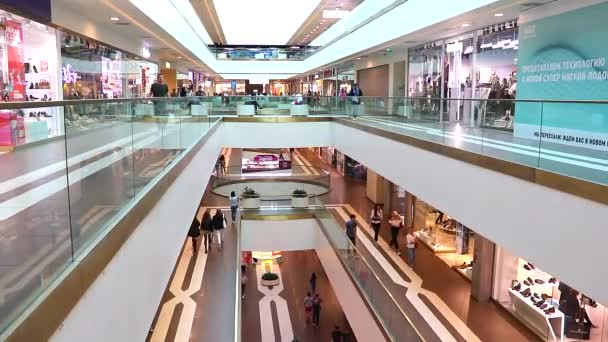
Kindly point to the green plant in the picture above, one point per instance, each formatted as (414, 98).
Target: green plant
(269, 276)
(250, 193)
(299, 193)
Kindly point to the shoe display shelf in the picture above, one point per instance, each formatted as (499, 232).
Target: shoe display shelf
(549, 327)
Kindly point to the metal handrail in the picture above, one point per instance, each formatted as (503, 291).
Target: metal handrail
(325, 230)
(58, 103)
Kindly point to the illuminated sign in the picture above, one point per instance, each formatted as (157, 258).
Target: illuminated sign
(145, 52)
(69, 76)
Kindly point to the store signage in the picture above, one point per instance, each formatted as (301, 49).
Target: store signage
(69, 75)
(233, 85)
(560, 58)
(145, 52)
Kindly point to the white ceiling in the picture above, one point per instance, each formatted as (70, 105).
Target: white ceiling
(262, 22)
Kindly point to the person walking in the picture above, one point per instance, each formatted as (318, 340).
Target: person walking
(207, 228)
(316, 309)
(355, 94)
(234, 206)
(219, 224)
(396, 224)
(243, 281)
(308, 306)
(411, 247)
(159, 88)
(336, 334)
(376, 220)
(351, 232)
(222, 165)
(194, 232)
(313, 282)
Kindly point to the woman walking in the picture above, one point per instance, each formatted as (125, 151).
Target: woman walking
(396, 224)
(313, 282)
(376, 220)
(411, 247)
(234, 205)
(207, 228)
(194, 232)
(308, 306)
(219, 224)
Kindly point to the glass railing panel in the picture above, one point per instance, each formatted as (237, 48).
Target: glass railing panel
(574, 140)
(500, 124)
(34, 212)
(102, 184)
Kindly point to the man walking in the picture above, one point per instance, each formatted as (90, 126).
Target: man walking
(316, 309)
(159, 89)
(351, 232)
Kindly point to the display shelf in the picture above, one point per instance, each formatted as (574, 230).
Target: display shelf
(430, 242)
(548, 327)
(466, 272)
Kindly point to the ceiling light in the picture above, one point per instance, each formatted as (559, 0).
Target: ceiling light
(358, 57)
(114, 18)
(498, 14)
(317, 27)
(466, 25)
(178, 57)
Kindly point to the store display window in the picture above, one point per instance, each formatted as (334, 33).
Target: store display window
(28, 72)
(496, 75)
(424, 78)
(550, 308)
(449, 239)
(458, 78)
(91, 70)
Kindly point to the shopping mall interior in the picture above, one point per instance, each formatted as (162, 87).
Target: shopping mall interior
(311, 170)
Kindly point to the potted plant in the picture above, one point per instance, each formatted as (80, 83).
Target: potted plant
(270, 279)
(251, 199)
(299, 198)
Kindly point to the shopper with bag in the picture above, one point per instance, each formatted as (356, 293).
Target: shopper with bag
(376, 220)
(411, 247)
(219, 225)
(234, 206)
(194, 232)
(207, 228)
(396, 224)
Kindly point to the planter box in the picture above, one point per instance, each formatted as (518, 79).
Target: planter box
(298, 110)
(271, 282)
(299, 202)
(251, 203)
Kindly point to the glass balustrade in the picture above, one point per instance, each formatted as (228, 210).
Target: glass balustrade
(61, 191)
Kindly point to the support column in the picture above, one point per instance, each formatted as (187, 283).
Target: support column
(483, 269)
(375, 187)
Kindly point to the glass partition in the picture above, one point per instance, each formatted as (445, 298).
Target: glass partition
(61, 193)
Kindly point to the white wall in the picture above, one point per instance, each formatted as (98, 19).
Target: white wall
(122, 302)
(275, 135)
(288, 235)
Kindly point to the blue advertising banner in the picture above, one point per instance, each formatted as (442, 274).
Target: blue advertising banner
(564, 57)
(40, 9)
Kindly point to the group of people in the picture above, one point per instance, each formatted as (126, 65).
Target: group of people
(208, 227)
(312, 302)
(395, 222)
(160, 89)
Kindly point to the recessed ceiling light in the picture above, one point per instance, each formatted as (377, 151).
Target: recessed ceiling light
(358, 57)
(114, 18)
(466, 25)
(498, 14)
(317, 27)
(178, 57)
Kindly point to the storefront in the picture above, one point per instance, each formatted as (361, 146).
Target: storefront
(230, 87)
(480, 64)
(547, 306)
(29, 72)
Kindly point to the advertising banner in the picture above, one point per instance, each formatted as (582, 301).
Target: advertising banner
(563, 58)
(14, 53)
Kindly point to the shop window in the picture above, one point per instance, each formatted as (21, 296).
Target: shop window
(424, 77)
(542, 302)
